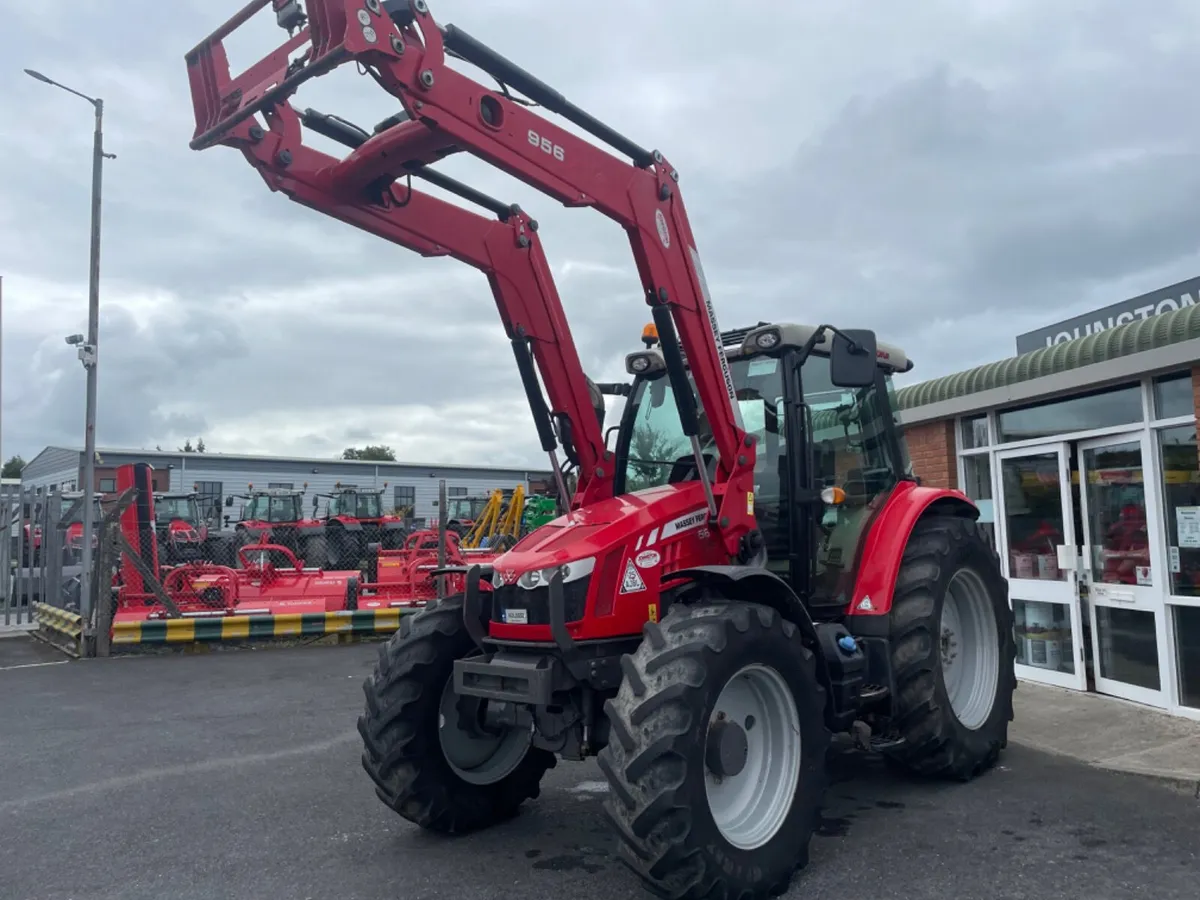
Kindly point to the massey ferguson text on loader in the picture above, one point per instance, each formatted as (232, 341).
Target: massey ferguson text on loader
(777, 575)
(268, 579)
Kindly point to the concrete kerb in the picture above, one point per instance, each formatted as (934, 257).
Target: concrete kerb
(1108, 733)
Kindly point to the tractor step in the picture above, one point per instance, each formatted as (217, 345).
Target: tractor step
(886, 742)
(869, 693)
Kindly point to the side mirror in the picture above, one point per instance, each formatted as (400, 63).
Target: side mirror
(229, 501)
(853, 368)
(314, 504)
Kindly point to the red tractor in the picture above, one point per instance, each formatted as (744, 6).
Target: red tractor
(277, 513)
(751, 569)
(182, 532)
(354, 520)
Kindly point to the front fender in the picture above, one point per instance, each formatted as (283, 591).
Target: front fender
(752, 584)
(883, 548)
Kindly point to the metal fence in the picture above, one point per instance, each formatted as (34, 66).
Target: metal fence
(41, 555)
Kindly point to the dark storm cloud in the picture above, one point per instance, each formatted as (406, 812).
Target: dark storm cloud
(949, 173)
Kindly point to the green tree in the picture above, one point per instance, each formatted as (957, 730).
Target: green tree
(12, 468)
(651, 455)
(188, 448)
(375, 452)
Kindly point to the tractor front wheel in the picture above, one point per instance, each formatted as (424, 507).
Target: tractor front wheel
(953, 651)
(426, 766)
(716, 761)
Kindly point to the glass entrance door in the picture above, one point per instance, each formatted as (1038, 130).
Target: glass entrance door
(1125, 584)
(1037, 548)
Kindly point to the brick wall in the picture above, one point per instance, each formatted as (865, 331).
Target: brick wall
(933, 450)
(1196, 393)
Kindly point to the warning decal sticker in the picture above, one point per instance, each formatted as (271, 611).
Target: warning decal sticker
(632, 582)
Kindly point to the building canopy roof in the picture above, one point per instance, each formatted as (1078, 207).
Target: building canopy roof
(1113, 343)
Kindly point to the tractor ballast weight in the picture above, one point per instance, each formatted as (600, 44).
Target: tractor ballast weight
(700, 625)
(268, 579)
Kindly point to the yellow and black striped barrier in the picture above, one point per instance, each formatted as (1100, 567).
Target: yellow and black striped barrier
(67, 624)
(240, 628)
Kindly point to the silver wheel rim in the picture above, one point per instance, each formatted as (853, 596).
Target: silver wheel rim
(969, 649)
(478, 760)
(750, 806)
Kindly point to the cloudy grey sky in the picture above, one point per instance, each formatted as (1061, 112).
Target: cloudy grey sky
(948, 172)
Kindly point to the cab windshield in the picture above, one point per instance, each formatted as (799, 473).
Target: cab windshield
(360, 506)
(168, 508)
(274, 509)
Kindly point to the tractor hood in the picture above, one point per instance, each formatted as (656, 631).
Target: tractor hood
(583, 534)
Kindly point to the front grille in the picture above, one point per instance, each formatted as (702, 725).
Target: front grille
(536, 602)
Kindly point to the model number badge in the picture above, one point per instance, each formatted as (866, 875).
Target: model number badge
(516, 617)
(647, 558)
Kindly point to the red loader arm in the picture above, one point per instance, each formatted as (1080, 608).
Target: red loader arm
(402, 47)
(362, 191)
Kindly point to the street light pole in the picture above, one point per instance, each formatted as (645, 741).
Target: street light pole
(87, 352)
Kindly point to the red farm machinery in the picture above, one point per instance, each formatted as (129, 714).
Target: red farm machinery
(268, 579)
(276, 514)
(751, 569)
(354, 520)
(182, 532)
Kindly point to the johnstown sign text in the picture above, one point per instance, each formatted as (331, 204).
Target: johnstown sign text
(1155, 303)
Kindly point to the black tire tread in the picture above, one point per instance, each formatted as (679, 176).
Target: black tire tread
(401, 751)
(931, 746)
(646, 762)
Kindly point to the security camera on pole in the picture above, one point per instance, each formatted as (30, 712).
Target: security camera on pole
(87, 349)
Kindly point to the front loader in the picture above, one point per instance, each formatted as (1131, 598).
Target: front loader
(751, 569)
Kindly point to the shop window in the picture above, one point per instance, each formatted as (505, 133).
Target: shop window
(973, 433)
(1103, 409)
(1187, 643)
(1173, 396)
(1181, 501)
(977, 485)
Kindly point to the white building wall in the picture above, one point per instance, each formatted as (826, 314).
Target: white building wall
(425, 489)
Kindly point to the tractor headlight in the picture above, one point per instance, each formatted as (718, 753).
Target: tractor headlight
(639, 364)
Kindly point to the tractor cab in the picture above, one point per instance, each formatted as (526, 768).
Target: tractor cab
(71, 515)
(180, 529)
(274, 506)
(350, 503)
(829, 449)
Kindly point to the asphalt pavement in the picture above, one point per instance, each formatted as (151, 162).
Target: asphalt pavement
(235, 775)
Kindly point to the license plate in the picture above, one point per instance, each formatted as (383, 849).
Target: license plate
(516, 617)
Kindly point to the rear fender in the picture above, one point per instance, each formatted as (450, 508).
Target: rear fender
(346, 524)
(751, 584)
(883, 549)
(392, 525)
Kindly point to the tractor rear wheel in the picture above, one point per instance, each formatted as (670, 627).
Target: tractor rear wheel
(716, 760)
(953, 651)
(425, 766)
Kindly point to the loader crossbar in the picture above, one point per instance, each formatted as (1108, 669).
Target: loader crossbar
(398, 43)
